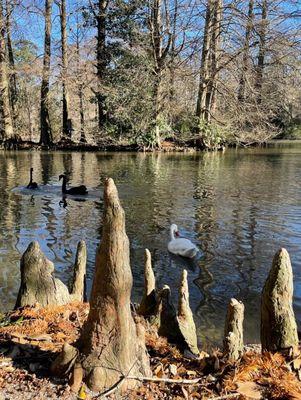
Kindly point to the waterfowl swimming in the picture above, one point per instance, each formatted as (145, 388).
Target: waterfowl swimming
(32, 185)
(74, 190)
(181, 246)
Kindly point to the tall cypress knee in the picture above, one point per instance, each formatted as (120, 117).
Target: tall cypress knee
(111, 343)
(278, 324)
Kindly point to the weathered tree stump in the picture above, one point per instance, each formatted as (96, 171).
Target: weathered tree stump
(178, 328)
(111, 343)
(79, 278)
(38, 284)
(233, 336)
(185, 318)
(149, 300)
(278, 324)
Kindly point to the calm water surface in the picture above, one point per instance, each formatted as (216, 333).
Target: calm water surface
(239, 207)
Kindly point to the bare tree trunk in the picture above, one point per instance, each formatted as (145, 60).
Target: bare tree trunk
(246, 49)
(173, 53)
(201, 113)
(261, 50)
(7, 125)
(101, 60)
(12, 72)
(80, 87)
(112, 345)
(216, 36)
(67, 122)
(159, 57)
(46, 132)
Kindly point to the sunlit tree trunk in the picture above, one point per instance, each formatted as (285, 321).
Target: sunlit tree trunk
(46, 132)
(215, 53)
(80, 90)
(101, 60)
(12, 72)
(261, 50)
(67, 122)
(205, 65)
(159, 56)
(246, 52)
(173, 52)
(7, 125)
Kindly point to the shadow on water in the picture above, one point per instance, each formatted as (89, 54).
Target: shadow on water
(238, 207)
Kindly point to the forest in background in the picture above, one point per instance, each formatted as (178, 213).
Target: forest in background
(142, 71)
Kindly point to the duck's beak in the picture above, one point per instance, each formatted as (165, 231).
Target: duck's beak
(177, 234)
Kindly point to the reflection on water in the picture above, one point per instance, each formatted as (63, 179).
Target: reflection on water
(239, 207)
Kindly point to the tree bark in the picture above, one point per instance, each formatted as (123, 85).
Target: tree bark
(67, 122)
(160, 54)
(46, 132)
(80, 86)
(7, 131)
(205, 65)
(111, 343)
(246, 50)
(12, 72)
(278, 324)
(101, 60)
(38, 284)
(233, 336)
(261, 50)
(215, 54)
(173, 53)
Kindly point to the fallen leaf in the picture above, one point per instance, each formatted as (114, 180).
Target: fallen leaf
(173, 369)
(249, 389)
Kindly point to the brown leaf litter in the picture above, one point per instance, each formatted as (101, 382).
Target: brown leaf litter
(32, 337)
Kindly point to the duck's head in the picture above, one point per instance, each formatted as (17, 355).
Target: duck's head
(174, 230)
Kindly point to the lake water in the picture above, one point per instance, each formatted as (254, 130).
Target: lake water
(239, 207)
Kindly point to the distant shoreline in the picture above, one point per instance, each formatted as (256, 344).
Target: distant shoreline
(169, 145)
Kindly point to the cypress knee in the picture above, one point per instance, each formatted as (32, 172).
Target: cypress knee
(148, 303)
(233, 339)
(185, 318)
(38, 284)
(110, 345)
(278, 324)
(79, 278)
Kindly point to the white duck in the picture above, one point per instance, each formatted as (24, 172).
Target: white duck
(181, 246)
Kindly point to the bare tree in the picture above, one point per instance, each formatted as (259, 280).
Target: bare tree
(12, 72)
(7, 125)
(101, 59)
(46, 132)
(161, 39)
(246, 50)
(67, 122)
(262, 49)
(201, 112)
